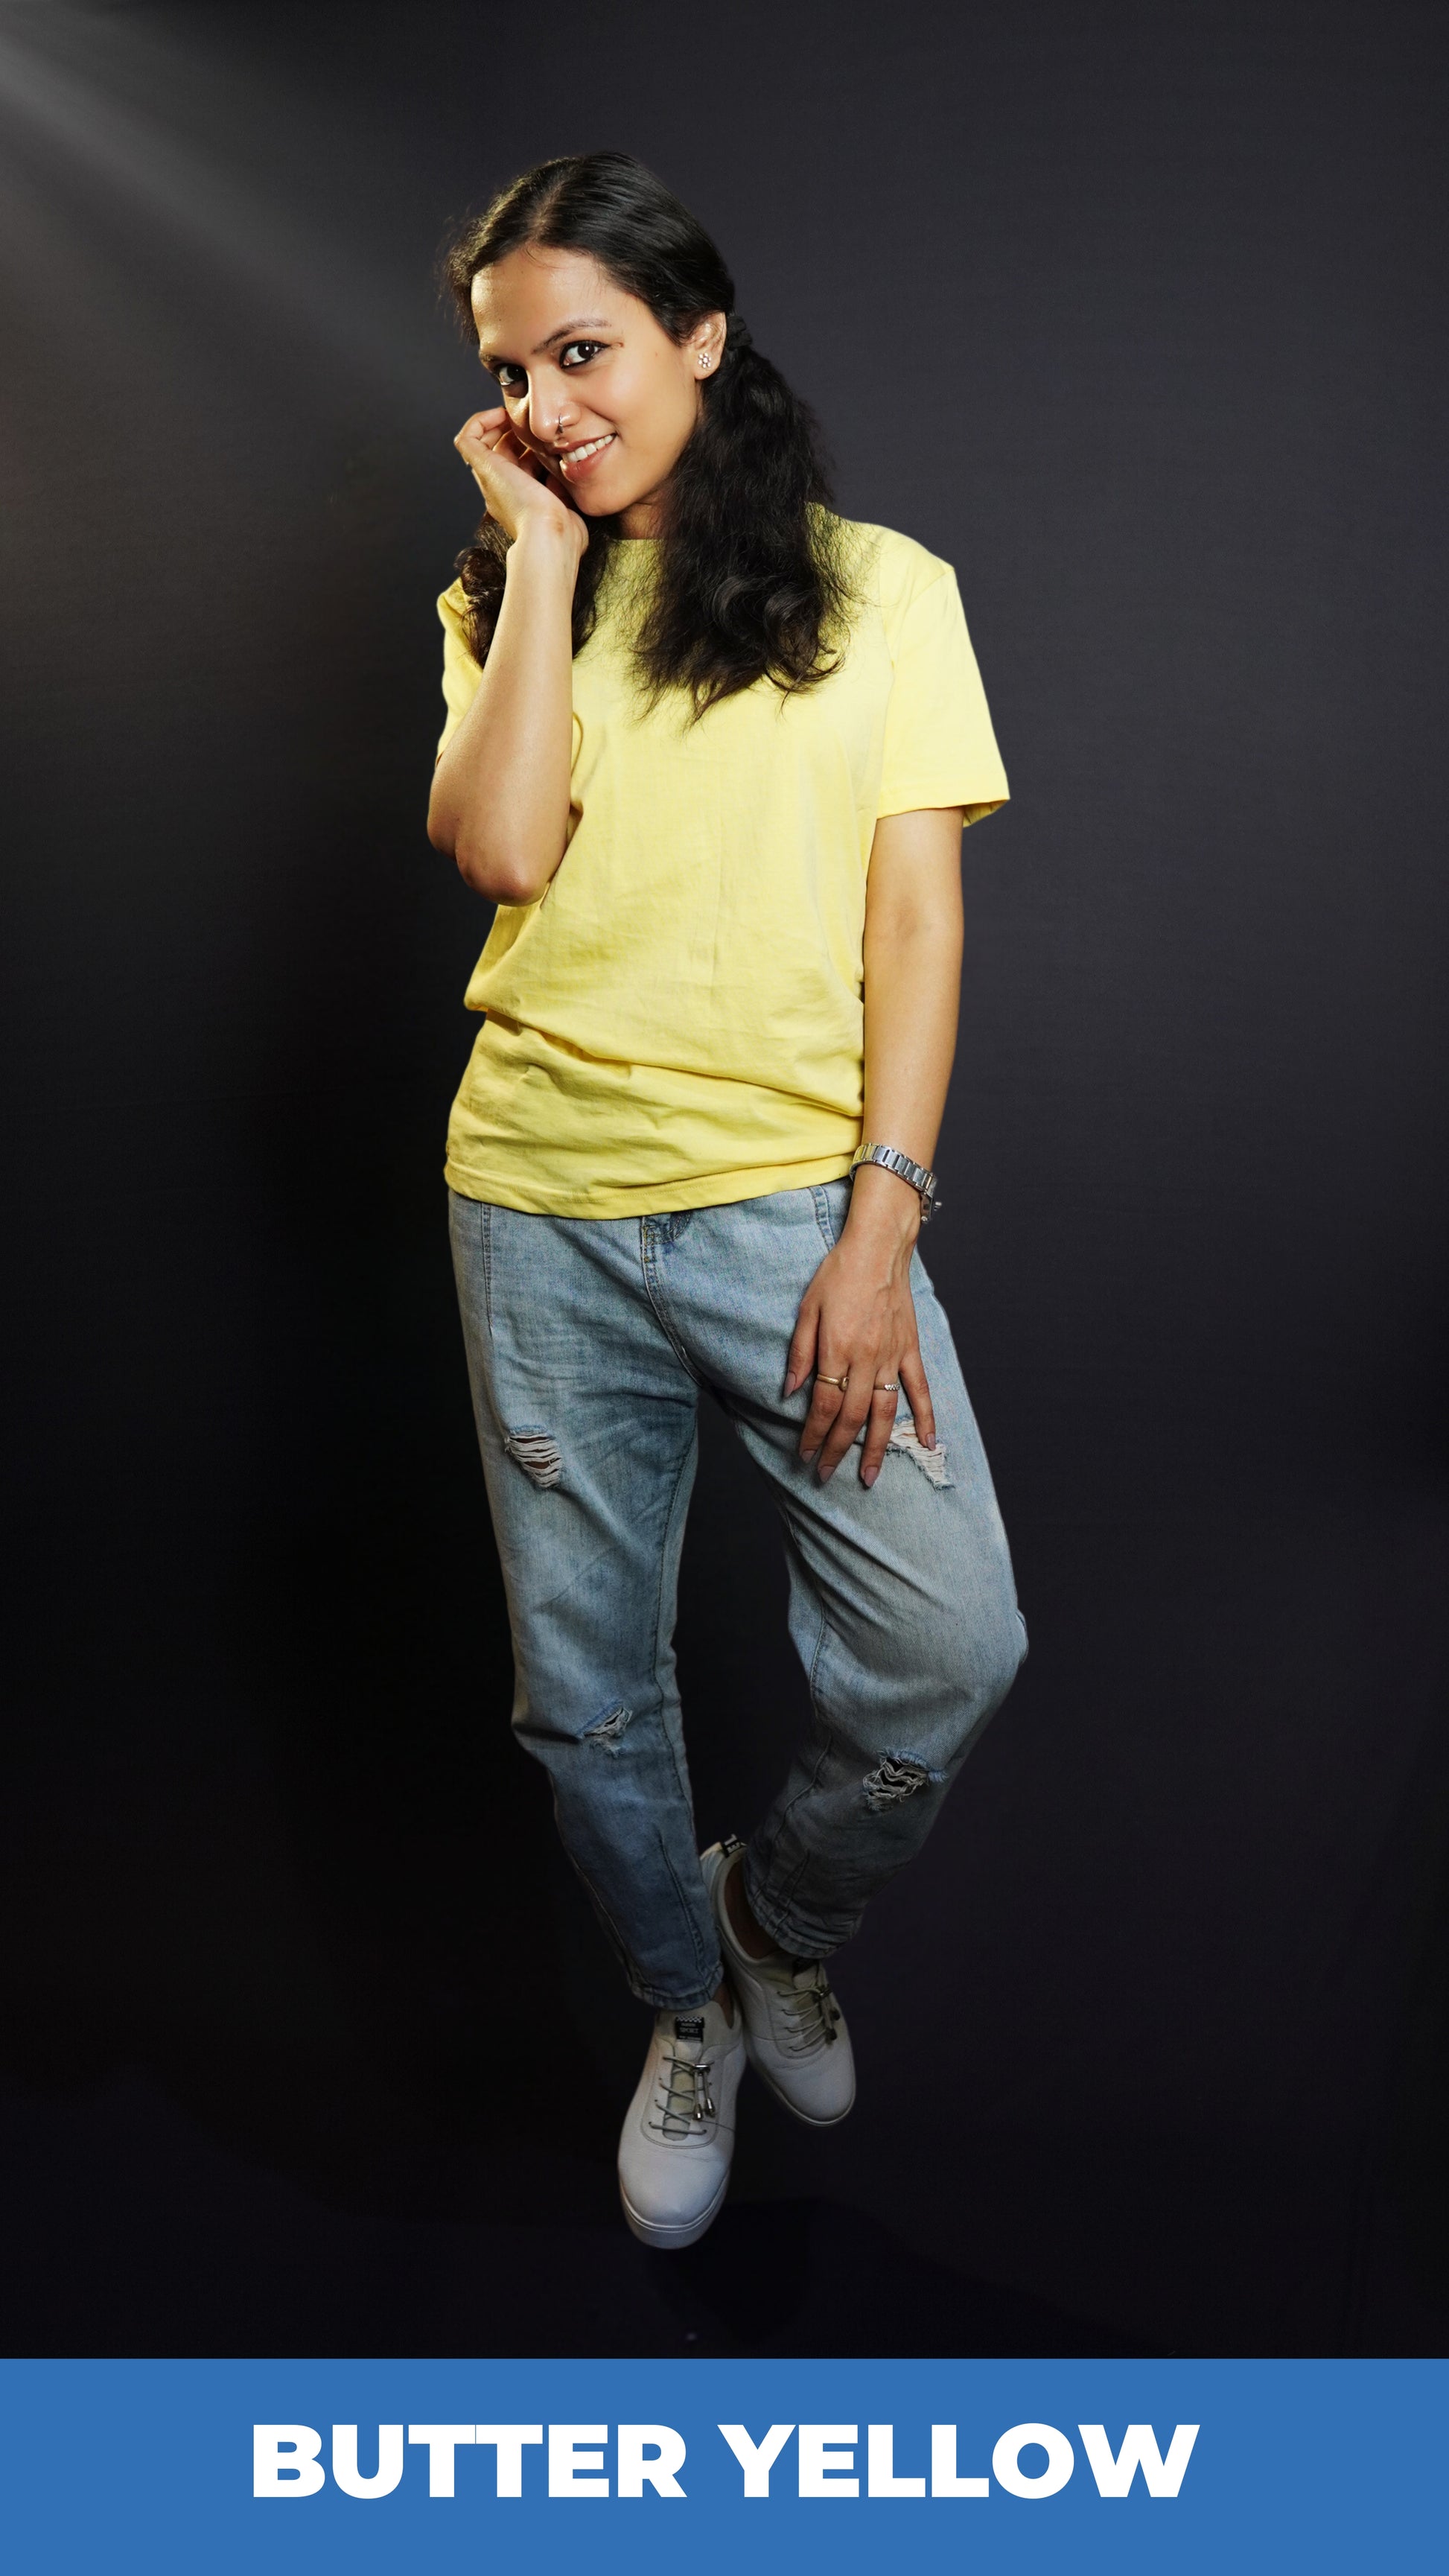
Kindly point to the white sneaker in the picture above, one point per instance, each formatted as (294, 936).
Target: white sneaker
(679, 2130)
(795, 2031)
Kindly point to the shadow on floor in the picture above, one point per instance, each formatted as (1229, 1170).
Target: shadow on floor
(132, 2230)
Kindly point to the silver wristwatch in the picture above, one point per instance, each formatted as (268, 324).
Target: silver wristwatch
(921, 1181)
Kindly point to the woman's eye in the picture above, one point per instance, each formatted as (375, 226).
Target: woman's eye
(578, 352)
(509, 380)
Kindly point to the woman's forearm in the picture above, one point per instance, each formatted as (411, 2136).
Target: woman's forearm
(856, 1329)
(913, 938)
(500, 798)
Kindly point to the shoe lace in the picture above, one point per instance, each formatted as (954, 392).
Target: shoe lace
(810, 2006)
(684, 2095)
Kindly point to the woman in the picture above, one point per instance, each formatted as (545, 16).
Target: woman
(709, 750)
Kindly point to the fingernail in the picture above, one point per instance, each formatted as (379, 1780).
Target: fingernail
(870, 1475)
(790, 1382)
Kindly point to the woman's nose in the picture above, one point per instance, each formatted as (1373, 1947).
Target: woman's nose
(548, 405)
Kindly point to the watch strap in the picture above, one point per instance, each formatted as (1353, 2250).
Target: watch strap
(891, 1159)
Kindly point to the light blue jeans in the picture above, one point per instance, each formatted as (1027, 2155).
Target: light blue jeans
(588, 1343)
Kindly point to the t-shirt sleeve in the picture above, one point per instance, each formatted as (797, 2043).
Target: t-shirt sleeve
(939, 746)
(461, 674)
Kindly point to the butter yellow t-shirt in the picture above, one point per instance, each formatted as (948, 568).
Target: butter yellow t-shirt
(677, 1021)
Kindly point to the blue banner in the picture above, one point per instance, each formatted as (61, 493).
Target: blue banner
(416, 2466)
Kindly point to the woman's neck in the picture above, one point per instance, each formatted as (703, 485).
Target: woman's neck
(645, 517)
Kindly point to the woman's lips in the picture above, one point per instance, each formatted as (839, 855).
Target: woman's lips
(578, 460)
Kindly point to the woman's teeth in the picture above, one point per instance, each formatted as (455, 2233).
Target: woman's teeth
(581, 455)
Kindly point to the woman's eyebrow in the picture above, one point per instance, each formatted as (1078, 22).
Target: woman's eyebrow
(565, 331)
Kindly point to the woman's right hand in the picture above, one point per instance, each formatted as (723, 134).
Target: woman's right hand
(517, 484)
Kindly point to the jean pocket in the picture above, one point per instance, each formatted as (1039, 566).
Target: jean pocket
(832, 1205)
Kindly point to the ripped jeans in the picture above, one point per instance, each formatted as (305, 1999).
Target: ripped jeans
(588, 1342)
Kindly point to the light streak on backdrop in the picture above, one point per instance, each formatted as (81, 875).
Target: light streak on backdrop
(96, 109)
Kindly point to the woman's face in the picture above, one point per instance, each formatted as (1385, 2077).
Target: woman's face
(589, 378)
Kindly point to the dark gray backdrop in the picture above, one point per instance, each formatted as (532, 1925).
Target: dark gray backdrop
(1134, 313)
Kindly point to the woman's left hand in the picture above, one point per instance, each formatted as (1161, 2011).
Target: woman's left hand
(857, 1323)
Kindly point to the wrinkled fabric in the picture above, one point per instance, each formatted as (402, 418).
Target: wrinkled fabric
(588, 1343)
(677, 1021)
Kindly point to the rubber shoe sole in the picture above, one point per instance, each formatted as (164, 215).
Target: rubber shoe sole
(670, 2240)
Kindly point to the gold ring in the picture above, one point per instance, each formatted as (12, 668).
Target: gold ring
(822, 1380)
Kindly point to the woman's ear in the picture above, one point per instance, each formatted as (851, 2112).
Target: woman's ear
(706, 343)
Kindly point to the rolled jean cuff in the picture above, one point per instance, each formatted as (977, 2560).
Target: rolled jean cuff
(692, 2002)
(786, 1931)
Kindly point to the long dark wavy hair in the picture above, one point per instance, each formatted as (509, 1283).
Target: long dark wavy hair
(751, 580)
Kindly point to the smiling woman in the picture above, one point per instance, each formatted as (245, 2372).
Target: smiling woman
(598, 382)
(626, 370)
(709, 749)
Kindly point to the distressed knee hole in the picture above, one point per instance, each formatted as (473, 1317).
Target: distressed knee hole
(897, 1777)
(932, 1462)
(538, 1454)
(608, 1730)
